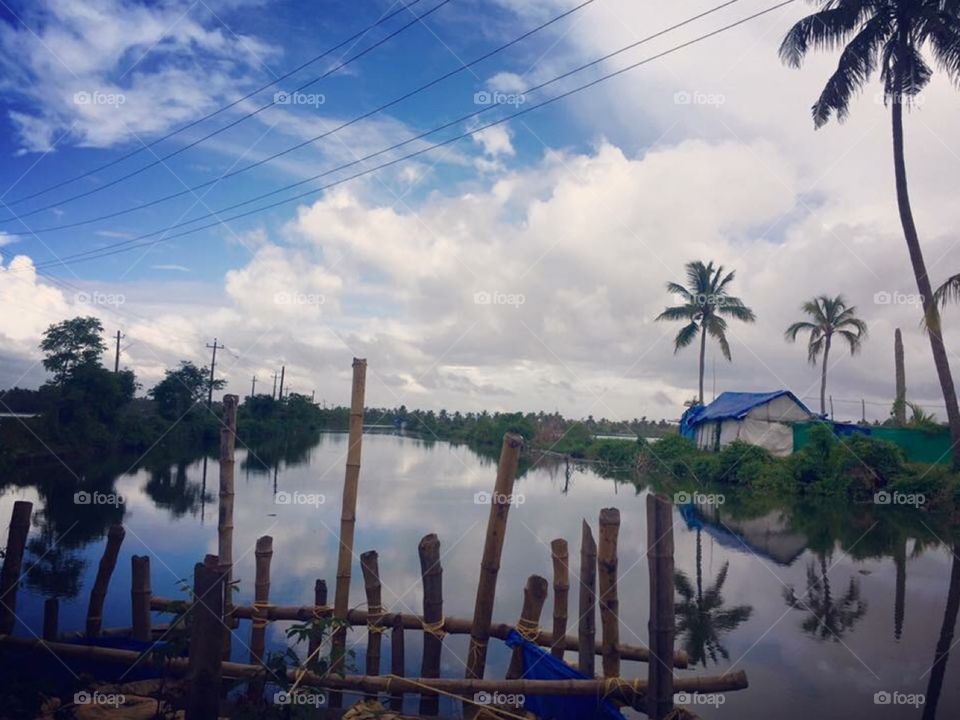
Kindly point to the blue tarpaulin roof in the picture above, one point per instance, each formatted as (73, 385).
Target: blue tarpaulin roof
(736, 405)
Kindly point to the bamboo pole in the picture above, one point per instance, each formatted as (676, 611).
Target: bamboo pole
(51, 618)
(660, 560)
(98, 593)
(263, 554)
(228, 438)
(140, 597)
(587, 625)
(561, 591)
(319, 601)
(397, 661)
(348, 516)
(451, 626)
(369, 564)
(629, 691)
(206, 640)
(608, 598)
(492, 550)
(431, 573)
(534, 596)
(13, 563)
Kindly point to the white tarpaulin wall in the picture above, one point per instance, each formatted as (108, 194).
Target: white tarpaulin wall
(767, 425)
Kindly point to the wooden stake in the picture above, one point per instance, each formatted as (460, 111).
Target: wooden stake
(261, 593)
(397, 661)
(51, 615)
(534, 596)
(608, 598)
(660, 560)
(228, 437)
(319, 601)
(206, 640)
(348, 517)
(99, 592)
(492, 550)
(140, 597)
(432, 576)
(587, 625)
(369, 564)
(13, 563)
(561, 592)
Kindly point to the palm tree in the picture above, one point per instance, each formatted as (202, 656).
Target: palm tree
(829, 316)
(705, 300)
(889, 35)
(829, 617)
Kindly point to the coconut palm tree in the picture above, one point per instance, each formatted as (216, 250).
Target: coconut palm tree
(889, 35)
(828, 317)
(705, 301)
(828, 616)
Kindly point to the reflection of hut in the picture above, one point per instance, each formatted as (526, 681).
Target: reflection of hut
(768, 536)
(764, 419)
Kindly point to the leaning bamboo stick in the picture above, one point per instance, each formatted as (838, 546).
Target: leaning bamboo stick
(206, 640)
(12, 563)
(102, 582)
(319, 601)
(608, 598)
(371, 584)
(51, 618)
(431, 574)
(397, 661)
(348, 516)
(630, 691)
(492, 550)
(451, 626)
(263, 554)
(228, 438)
(140, 597)
(660, 560)
(534, 596)
(587, 626)
(561, 591)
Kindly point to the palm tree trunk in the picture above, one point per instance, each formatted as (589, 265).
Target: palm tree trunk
(823, 376)
(923, 283)
(703, 356)
(945, 641)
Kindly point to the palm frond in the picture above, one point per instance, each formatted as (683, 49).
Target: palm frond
(678, 289)
(796, 328)
(686, 336)
(717, 328)
(854, 340)
(948, 292)
(824, 30)
(678, 312)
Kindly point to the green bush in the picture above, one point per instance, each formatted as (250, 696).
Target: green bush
(741, 463)
(617, 453)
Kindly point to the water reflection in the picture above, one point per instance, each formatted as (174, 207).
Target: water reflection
(829, 617)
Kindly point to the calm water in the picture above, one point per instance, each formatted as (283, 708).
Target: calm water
(871, 626)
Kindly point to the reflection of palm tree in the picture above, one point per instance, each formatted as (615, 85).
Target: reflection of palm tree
(701, 617)
(830, 617)
(54, 569)
(945, 641)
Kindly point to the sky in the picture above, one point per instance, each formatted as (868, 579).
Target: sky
(519, 267)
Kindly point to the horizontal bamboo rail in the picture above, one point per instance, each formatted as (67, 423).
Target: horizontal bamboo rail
(451, 626)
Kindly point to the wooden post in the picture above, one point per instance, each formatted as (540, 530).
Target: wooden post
(370, 566)
(348, 517)
(608, 597)
(51, 618)
(900, 400)
(534, 596)
(661, 631)
(140, 596)
(99, 592)
(228, 437)
(13, 563)
(397, 661)
(432, 575)
(587, 625)
(261, 598)
(561, 592)
(319, 601)
(492, 550)
(206, 640)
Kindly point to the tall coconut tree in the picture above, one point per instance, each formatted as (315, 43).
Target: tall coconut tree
(829, 317)
(706, 303)
(889, 35)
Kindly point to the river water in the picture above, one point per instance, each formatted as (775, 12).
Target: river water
(830, 610)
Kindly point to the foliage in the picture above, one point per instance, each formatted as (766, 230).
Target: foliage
(829, 316)
(71, 344)
(181, 389)
(741, 463)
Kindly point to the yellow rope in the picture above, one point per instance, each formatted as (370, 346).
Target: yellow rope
(435, 628)
(320, 611)
(613, 685)
(259, 618)
(375, 620)
(528, 629)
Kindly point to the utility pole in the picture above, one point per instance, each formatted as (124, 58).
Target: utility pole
(253, 386)
(213, 364)
(116, 360)
(283, 369)
(313, 397)
(275, 376)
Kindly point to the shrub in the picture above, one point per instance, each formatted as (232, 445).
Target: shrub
(741, 463)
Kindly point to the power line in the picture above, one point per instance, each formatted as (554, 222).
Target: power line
(133, 243)
(160, 160)
(328, 133)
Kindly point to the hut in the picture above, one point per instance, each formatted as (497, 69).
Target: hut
(763, 419)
